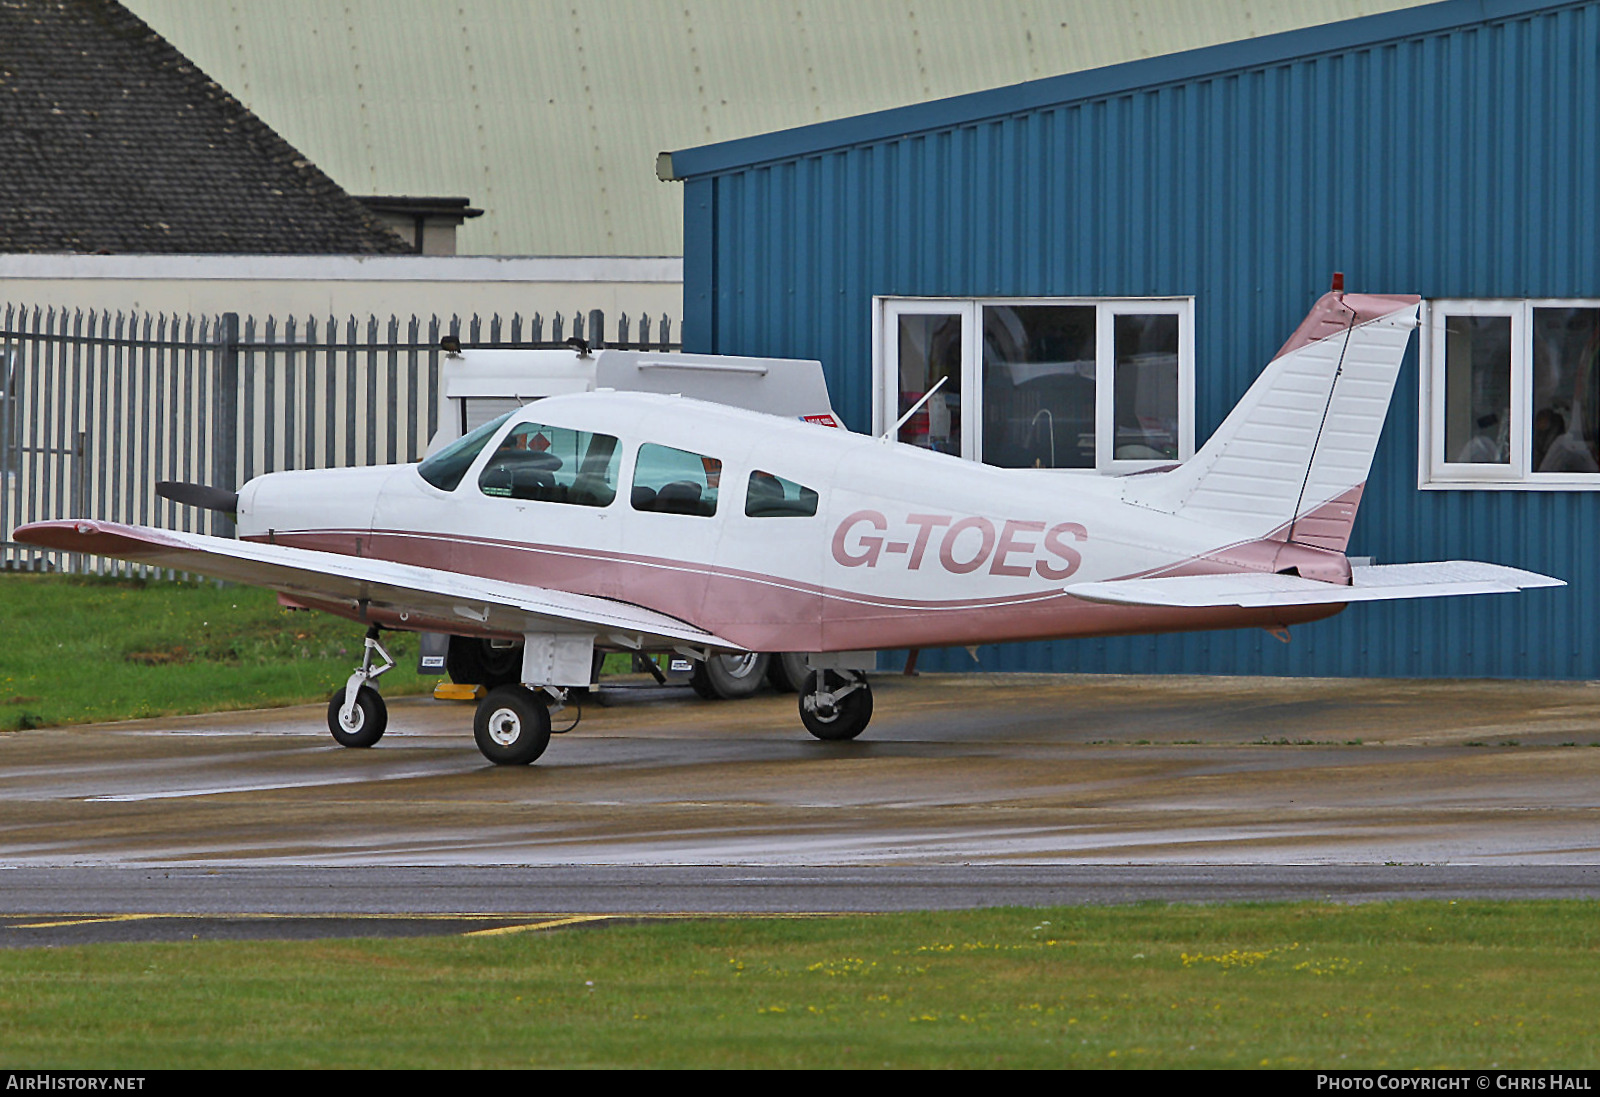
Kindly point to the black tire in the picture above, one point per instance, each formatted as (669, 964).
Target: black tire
(473, 662)
(370, 715)
(787, 671)
(511, 726)
(848, 718)
(729, 677)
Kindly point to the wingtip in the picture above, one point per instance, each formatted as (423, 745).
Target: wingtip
(92, 536)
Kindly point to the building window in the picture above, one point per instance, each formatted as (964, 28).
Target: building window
(1511, 395)
(1067, 383)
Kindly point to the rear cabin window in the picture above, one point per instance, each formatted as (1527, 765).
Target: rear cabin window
(675, 481)
(770, 496)
(445, 469)
(553, 465)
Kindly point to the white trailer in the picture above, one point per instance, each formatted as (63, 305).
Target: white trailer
(477, 386)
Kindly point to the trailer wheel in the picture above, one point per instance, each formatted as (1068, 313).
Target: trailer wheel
(787, 671)
(729, 677)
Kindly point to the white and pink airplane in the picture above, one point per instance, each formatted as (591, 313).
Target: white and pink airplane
(608, 521)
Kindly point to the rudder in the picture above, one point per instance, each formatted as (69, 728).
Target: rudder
(1290, 461)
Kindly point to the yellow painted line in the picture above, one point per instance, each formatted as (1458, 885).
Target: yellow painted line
(90, 921)
(542, 922)
(531, 927)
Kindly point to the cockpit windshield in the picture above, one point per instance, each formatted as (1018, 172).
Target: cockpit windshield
(445, 469)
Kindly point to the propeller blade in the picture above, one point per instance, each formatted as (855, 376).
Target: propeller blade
(199, 495)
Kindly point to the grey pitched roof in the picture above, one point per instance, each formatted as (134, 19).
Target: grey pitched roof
(112, 141)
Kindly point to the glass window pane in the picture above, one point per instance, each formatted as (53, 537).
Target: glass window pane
(1566, 390)
(1038, 386)
(553, 465)
(445, 469)
(770, 496)
(1145, 404)
(929, 349)
(675, 481)
(1477, 390)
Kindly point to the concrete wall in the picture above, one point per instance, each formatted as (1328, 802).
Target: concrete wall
(342, 286)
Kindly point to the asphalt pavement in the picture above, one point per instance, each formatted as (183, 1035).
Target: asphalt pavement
(966, 790)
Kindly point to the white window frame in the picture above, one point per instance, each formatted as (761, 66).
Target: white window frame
(885, 366)
(1434, 472)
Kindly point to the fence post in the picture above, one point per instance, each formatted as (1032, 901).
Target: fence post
(80, 493)
(597, 329)
(225, 420)
(7, 461)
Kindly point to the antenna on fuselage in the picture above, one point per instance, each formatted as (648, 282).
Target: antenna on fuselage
(894, 431)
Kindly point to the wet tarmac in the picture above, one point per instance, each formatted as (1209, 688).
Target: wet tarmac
(1153, 787)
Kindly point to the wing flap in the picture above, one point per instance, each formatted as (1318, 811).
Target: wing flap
(1372, 583)
(325, 577)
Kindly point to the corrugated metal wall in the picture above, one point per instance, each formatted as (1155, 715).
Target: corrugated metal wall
(1450, 151)
(548, 114)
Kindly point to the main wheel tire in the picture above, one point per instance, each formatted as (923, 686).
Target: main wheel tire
(847, 719)
(511, 726)
(787, 671)
(729, 677)
(471, 661)
(368, 718)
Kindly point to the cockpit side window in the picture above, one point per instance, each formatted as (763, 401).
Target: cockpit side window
(553, 465)
(770, 496)
(445, 469)
(675, 481)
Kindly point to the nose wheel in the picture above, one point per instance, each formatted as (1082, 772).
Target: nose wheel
(357, 715)
(365, 721)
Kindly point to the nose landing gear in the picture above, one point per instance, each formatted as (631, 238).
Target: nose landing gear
(357, 715)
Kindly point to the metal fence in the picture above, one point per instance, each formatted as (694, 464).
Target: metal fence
(96, 409)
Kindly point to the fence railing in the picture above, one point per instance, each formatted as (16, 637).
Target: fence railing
(96, 408)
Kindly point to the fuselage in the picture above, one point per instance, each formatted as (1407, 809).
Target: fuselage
(776, 534)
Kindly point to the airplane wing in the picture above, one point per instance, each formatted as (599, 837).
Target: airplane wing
(1370, 583)
(441, 597)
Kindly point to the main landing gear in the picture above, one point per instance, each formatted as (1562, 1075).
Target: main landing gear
(512, 725)
(835, 704)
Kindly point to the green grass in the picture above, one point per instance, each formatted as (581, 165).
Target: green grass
(1393, 985)
(85, 649)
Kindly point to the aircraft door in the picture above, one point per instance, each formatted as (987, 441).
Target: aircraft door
(770, 556)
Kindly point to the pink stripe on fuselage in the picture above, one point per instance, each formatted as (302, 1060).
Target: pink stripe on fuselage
(771, 613)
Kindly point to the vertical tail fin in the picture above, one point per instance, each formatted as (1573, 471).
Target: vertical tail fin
(1291, 459)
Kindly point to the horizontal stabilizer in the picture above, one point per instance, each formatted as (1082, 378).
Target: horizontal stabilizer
(1257, 590)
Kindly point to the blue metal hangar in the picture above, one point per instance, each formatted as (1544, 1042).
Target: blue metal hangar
(1101, 262)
